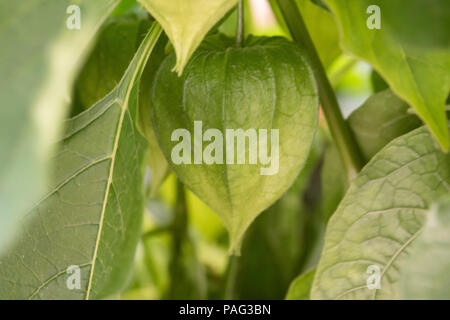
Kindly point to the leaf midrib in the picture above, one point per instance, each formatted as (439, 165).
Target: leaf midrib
(124, 107)
(386, 267)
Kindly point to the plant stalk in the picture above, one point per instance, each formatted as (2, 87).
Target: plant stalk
(240, 25)
(179, 233)
(345, 141)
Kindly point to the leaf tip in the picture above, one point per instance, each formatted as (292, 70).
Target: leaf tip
(178, 68)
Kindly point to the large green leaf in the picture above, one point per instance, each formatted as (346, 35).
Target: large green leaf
(265, 85)
(419, 75)
(38, 57)
(91, 216)
(381, 119)
(186, 23)
(426, 270)
(379, 218)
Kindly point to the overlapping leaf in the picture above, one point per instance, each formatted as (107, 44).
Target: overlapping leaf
(117, 42)
(379, 120)
(91, 216)
(380, 217)
(418, 74)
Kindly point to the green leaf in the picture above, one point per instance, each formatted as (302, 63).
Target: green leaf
(267, 84)
(117, 42)
(425, 275)
(381, 119)
(39, 54)
(379, 218)
(91, 216)
(378, 121)
(419, 23)
(418, 75)
(186, 23)
(301, 287)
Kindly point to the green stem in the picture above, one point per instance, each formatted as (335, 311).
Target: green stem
(179, 233)
(240, 24)
(348, 148)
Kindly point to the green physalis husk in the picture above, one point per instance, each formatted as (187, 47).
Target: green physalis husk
(264, 89)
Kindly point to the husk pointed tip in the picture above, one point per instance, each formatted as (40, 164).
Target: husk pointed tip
(236, 239)
(179, 66)
(235, 249)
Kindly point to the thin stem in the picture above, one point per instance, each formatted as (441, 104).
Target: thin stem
(240, 24)
(348, 148)
(179, 232)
